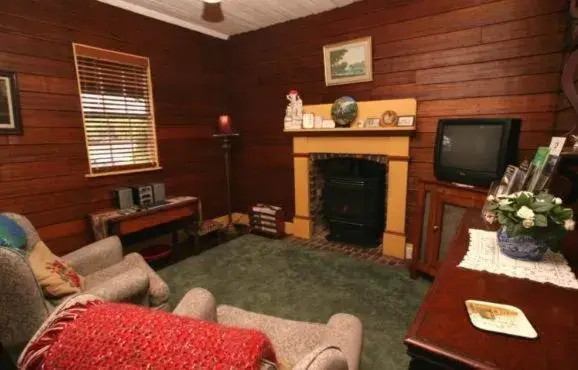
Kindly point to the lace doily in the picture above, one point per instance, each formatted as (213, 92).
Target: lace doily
(484, 255)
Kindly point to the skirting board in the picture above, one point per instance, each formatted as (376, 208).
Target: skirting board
(396, 242)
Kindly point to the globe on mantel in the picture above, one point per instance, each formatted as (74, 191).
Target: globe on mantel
(344, 111)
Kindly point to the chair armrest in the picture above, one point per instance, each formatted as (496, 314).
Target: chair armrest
(158, 289)
(198, 303)
(323, 358)
(68, 302)
(130, 286)
(345, 332)
(96, 256)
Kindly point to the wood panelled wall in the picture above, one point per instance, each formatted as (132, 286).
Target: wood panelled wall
(42, 173)
(457, 57)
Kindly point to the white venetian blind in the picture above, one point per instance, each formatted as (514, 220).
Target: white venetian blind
(117, 107)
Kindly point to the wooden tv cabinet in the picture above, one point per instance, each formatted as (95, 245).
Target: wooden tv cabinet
(440, 206)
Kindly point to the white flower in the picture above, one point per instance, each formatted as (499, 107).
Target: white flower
(525, 213)
(505, 202)
(528, 223)
(490, 198)
(557, 201)
(569, 225)
(540, 201)
(490, 217)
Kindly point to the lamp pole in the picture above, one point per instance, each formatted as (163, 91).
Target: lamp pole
(226, 146)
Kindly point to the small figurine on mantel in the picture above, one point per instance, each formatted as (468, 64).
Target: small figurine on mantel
(294, 111)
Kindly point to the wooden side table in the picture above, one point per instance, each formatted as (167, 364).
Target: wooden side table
(178, 213)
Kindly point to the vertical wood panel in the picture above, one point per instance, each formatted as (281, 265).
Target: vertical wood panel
(42, 173)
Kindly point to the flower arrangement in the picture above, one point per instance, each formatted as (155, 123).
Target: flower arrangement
(540, 216)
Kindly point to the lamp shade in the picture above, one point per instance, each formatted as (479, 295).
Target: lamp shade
(224, 125)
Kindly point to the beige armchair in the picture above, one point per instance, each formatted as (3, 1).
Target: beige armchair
(299, 345)
(108, 275)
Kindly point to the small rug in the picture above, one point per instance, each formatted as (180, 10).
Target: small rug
(274, 278)
(484, 255)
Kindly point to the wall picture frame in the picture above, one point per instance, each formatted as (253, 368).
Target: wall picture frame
(348, 62)
(10, 120)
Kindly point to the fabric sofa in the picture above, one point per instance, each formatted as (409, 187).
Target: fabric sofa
(107, 275)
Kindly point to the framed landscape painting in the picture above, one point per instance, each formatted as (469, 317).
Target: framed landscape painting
(348, 62)
(9, 104)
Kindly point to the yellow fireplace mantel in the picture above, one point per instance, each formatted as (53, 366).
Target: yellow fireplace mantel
(393, 143)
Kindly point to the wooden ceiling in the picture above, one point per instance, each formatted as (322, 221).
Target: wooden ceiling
(240, 15)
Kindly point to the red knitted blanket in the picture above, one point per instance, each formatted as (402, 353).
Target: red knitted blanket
(122, 336)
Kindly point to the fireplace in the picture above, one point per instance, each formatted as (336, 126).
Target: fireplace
(348, 197)
(389, 144)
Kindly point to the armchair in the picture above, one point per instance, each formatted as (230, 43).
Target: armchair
(108, 275)
(303, 346)
(335, 345)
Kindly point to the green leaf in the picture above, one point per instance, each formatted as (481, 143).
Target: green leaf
(540, 221)
(508, 207)
(562, 214)
(503, 219)
(542, 207)
(547, 197)
(524, 200)
(512, 217)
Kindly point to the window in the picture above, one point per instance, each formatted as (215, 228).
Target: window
(117, 109)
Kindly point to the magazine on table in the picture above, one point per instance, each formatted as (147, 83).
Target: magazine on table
(536, 177)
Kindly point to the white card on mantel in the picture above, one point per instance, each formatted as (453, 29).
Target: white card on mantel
(500, 318)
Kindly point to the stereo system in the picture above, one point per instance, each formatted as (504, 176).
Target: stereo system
(141, 196)
(159, 192)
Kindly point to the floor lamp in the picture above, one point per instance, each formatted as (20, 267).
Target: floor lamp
(225, 133)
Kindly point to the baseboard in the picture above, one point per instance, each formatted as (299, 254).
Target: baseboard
(243, 219)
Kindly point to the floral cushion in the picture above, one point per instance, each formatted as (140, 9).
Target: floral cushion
(56, 277)
(11, 235)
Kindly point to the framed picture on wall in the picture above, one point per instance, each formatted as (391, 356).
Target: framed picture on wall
(348, 62)
(10, 122)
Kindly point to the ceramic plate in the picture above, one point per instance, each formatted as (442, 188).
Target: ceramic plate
(500, 318)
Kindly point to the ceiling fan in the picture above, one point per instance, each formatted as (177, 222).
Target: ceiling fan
(212, 11)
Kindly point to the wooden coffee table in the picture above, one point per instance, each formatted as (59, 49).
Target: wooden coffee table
(442, 334)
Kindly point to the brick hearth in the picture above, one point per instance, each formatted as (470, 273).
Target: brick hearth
(319, 242)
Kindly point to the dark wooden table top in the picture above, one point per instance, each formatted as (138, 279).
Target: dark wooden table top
(442, 328)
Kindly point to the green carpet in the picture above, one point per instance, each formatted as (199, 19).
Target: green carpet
(271, 277)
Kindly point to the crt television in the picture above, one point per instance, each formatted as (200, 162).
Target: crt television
(475, 151)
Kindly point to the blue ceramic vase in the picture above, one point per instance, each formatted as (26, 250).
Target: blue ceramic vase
(522, 247)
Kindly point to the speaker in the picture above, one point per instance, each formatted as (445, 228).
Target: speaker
(159, 192)
(123, 198)
(142, 195)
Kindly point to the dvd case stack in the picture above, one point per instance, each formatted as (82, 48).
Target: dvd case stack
(267, 220)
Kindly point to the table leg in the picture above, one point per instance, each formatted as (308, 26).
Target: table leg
(175, 237)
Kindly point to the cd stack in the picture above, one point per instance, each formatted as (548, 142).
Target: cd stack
(267, 220)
